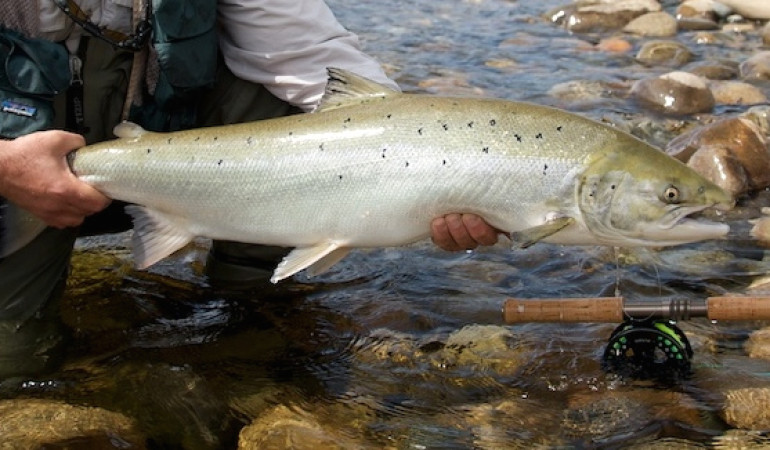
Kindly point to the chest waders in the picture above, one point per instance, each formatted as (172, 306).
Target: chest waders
(34, 98)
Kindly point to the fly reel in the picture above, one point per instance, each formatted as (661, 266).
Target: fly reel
(650, 349)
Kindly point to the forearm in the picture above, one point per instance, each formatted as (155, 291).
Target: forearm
(287, 46)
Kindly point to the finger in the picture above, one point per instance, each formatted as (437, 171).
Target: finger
(66, 142)
(459, 232)
(441, 236)
(480, 231)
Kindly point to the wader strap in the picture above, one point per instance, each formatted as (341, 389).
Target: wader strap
(139, 67)
(75, 110)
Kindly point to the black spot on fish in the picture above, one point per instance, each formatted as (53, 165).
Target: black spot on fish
(419, 131)
(492, 122)
(249, 140)
(321, 147)
(216, 137)
(559, 128)
(445, 127)
(545, 168)
(518, 137)
(389, 116)
(407, 164)
(291, 133)
(197, 139)
(539, 136)
(485, 149)
(340, 177)
(219, 163)
(169, 140)
(347, 120)
(443, 162)
(470, 124)
(149, 150)
(612, 186)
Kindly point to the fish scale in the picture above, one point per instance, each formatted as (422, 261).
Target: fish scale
(372, 167)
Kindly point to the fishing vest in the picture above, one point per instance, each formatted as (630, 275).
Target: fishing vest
(184, 43)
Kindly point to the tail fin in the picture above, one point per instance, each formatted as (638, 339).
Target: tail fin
(17, 227)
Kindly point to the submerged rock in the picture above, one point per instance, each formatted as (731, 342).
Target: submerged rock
(736, 93)
(664, 53)
(675, 93)
(283, 427)
(756, 67)
(747, 408)
(33, 423)
(758, 344)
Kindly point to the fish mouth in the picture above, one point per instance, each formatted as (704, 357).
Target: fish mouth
(679, 227)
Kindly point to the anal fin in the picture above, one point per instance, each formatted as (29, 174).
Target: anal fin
(156, 235)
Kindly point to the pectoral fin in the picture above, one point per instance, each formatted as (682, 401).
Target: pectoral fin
(316, 259)
(156, 235)
(525, 238)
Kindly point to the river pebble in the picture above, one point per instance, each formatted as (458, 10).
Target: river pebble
(736, 93)
(295, 428)
(715, 70)
(658, 24)
(750, 9)
(731, 152)
(758, 343)
(756, 67)
(748, 408)
(32, 423)
(696, 15)
(664, 53)
(601, 15)
(674, 93)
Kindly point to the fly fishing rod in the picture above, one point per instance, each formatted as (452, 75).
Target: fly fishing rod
(647, 343)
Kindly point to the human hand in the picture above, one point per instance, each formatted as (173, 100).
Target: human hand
(455, 232)
(34, 175)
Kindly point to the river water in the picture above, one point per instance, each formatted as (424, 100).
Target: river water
(375, 349)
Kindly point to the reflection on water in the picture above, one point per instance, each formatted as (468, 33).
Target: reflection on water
(380, 348)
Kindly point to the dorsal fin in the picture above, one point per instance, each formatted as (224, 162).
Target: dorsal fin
(345, 88)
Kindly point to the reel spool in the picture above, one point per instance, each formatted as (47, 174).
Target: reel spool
(655, 349)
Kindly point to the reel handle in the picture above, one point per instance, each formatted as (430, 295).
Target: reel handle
(738, 308)
(596, 309)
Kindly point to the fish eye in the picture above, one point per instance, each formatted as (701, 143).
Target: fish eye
(671, 195)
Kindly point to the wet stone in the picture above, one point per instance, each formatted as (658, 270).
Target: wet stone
(758, 343)
(664, 53)
(696, 9)
(737, 143)
(718, 165)
(756, 67)
(676, 93)
(36, 423)
(747, 408)
(659, 24)
(601, 15)
(714, 70)
(283, 427)
(750, 9)
(736, 93)
(742, 439)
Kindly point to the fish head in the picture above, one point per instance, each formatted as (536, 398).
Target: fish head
(639, 196)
